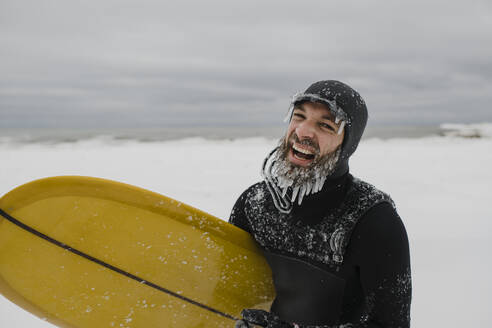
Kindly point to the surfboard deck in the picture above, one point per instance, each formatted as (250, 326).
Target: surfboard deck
(89, 252)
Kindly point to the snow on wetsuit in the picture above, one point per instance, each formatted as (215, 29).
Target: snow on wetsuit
(340, 257)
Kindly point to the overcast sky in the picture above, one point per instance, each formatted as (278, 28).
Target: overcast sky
(152, 63)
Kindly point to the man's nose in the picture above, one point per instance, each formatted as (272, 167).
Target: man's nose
(305, 130)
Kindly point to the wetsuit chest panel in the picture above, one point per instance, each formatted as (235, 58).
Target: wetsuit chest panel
(323, 243)
(277, 232)
(306, 294)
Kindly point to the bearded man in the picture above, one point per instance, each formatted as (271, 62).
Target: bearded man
(337, 248)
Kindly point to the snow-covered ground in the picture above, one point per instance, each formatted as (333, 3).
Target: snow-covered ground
(441, 185)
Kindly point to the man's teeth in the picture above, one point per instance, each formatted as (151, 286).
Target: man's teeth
(304, 151)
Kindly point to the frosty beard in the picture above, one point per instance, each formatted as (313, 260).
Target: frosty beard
(302, 180)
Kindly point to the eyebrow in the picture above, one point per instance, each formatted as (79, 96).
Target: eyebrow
(330, 117)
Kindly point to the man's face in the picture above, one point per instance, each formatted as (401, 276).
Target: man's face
(312, 134)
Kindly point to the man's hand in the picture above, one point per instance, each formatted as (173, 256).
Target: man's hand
(258, 318)
(261, 318)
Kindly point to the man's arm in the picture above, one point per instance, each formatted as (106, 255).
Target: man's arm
(380, 245)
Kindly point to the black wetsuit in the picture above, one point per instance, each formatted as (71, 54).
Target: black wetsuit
(364, 279)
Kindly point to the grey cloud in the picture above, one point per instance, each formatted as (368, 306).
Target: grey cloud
(191, 61)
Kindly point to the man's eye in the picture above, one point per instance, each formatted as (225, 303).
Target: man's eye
(298, 115)
(327, 126)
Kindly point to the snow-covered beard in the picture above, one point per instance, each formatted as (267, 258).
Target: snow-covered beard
(289, 183)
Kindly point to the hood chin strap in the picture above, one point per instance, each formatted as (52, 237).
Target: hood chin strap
(280, 198)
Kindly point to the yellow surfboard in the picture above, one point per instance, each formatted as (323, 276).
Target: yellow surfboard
(88, 252)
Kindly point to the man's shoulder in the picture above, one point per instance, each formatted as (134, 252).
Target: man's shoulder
(367, 187)
(256, 191)
(365, 194)
(241, 210)
(380, 216)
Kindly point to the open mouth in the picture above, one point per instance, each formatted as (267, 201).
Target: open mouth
(303, 153)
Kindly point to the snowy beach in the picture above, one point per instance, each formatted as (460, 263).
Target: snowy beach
(440, 184)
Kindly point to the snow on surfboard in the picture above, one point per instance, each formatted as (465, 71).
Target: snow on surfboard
(88, 252)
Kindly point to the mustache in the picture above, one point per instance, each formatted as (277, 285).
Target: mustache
(306, 142)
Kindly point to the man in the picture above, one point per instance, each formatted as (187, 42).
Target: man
(337, 248)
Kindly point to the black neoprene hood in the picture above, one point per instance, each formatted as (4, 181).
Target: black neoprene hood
(346, 104)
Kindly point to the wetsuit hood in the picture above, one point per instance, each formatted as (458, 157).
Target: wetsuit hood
(347, 105)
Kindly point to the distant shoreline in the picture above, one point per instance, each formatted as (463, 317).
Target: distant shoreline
(66, 135)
